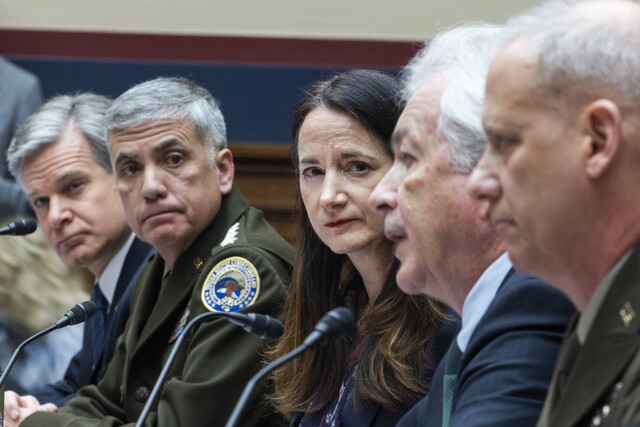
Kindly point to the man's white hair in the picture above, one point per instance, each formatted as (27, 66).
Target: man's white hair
(458, 60)
(583, 47)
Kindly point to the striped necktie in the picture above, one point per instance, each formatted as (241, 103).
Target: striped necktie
(450, 378)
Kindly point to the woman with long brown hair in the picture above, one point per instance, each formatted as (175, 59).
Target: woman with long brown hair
(341, 149)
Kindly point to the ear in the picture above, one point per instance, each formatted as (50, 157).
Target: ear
(225, 168)
(603, 121)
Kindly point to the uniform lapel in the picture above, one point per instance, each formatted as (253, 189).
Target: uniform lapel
(611, 344)
(151, 277)
(173, 297)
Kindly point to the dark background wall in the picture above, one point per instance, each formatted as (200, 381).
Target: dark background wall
(257, 80)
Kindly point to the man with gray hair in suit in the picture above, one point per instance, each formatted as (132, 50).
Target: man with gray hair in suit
(60, 158)
(498, 368)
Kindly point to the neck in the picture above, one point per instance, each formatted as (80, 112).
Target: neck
(461, 279)
(98, 266)
(581, 280)
(606, 234)
(373, 266)
(170, 254)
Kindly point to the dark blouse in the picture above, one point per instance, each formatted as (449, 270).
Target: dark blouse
(342, 411)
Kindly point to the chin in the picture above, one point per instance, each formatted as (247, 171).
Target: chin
(340, 250)
(79, 260)
(408, 283)
(343, 248)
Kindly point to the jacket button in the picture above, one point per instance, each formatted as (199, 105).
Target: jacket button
(142, 394)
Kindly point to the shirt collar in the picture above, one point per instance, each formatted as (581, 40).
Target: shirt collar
(109, 277)
(480, 296)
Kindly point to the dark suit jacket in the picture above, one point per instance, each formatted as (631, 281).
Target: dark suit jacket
(611, 353)
(81, 370)
(20, 95)
(506, 368)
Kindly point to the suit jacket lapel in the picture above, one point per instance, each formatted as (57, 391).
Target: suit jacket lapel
(607, 350)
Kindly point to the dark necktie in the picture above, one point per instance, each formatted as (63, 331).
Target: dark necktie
(452, 367)
(98, 321)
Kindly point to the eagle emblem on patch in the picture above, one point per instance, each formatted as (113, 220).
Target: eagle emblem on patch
(232, 285)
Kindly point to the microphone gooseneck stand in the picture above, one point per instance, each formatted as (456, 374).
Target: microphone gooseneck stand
(78, 314)
(262, 325)
(333, 324)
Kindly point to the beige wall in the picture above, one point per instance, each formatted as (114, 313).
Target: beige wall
(351, 19)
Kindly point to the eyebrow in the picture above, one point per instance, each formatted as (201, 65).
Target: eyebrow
(345, 155)
(309, 161)
(167, 143)
(354, 154)
(67, 176)
(398, 135)
(500, 127)
(162, 146)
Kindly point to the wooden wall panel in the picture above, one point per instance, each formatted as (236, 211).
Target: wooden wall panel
(265, 175)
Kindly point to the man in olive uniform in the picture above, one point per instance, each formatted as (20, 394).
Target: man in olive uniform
(560, 174)
(215, 253)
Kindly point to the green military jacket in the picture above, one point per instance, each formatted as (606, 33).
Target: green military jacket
(600, 378)
(213, 367)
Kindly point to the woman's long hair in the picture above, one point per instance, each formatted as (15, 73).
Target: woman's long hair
(396, 328)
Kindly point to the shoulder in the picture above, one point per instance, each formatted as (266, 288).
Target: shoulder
(253, 230)
(518, 338)
(526, 319)
(524, 299)
(241, 272)
(19, 84)
(255, 239)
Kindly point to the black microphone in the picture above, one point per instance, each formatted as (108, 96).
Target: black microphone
(333, 325)
(20, 227)
(262, 325)
(78, 314)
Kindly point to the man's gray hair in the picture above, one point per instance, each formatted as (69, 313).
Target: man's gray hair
(85, 112)
(458, 61)
(583, 51)
(171, 98)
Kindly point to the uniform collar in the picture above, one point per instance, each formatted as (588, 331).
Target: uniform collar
(588, 316)
(231, 208)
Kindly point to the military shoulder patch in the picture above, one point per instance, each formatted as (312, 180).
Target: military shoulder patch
(233, 284)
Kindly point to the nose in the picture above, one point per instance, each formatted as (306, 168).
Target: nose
(153, 186)
(484, 183)
(59, 213)
(332, 193)
(385, 195)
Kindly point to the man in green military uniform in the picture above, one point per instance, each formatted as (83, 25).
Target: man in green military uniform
(215, 253)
